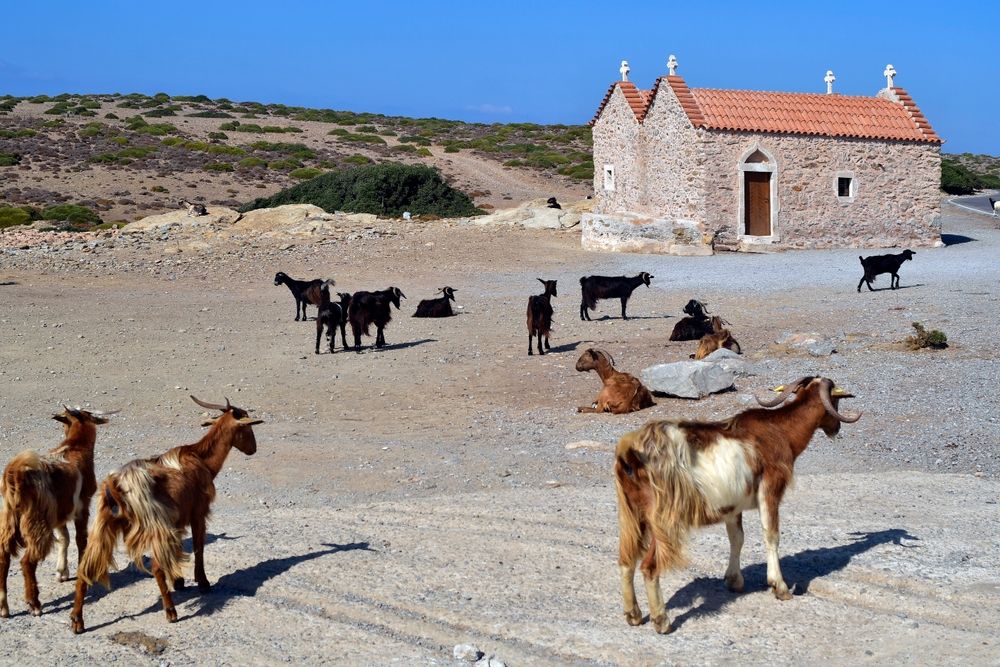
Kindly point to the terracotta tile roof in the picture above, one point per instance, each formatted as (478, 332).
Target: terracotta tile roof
(788, 113)
(637, 99)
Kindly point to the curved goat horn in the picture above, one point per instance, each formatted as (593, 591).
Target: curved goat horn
(824, 395)
(104, 413)
(785, 393)
(211, 406)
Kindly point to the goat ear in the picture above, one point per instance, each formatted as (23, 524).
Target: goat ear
(780, 388)
(540, 280)
(249, 421)
(210, 422)
(61, 418)
(841, 393)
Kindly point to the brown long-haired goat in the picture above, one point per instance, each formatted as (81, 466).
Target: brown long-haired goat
(150, 502)
(621, 393)
(719, 338)
(673, 476)
(42, 493)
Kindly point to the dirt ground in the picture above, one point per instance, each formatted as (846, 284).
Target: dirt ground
(409, 499)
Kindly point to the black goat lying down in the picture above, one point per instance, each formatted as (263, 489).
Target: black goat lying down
(879, 264)
(304, 291)
(331, 315)
(695, 325)
(607, 287)
(439, 307)
(369, 308)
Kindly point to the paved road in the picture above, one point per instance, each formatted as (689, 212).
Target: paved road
(977, 202)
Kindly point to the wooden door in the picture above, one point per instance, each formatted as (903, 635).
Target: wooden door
(757, 203)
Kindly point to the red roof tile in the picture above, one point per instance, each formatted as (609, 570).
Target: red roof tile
(788, 113)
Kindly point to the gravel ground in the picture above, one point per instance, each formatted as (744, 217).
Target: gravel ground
(425, 450)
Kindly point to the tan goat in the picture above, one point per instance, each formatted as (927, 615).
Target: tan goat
(621, 392)
(718, 339)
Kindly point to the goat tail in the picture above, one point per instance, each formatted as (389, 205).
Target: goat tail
(99, 556)
(629, 525)
(30, 510)
(678, 502)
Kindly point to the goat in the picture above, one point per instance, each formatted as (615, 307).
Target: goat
(552, 202)
(595, 288)
(438, 307)
(994, 206)
(150, 503)
(193, 210)
(695, 325)
(369, 308)
(878, 264)
(621, 393)
(42, 493)
(671, 476)
(719, 338)
(304, 291)
(540, 315)
(333, 314)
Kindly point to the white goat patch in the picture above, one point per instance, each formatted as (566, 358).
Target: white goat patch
(171, 460)
(724, 476)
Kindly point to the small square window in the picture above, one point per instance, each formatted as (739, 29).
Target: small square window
(845, 186)
(609, 177)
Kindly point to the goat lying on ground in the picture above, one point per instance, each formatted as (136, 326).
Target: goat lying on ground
(695, 325)
(552, 202)
(193, 210)
(879, 264)
(673, 476)
(439, 307)
(42, 493)
(621, 392)
(369, 308)
(595, 288)
(719, 338)
(540, 315)
(304, 291)
(150, 502)
(331, 315)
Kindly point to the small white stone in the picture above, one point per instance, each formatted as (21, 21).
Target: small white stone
(466, 652)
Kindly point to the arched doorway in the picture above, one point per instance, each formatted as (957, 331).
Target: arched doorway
(758, 193)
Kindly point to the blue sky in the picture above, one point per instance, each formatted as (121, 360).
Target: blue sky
(547, 62)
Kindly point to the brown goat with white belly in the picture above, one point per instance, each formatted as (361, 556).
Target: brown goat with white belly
(42, 493)
(621, 393)
(151, 502)
(672, 476)
(718, 339)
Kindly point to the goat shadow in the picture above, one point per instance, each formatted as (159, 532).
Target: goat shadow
(122, 578)
(602, 318)
(398, 346)
(955, 239)
(801, 568)
(7, 283)
(887, 289)
(565, 347)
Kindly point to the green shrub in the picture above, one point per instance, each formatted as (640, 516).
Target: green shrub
(384, 189)
(425, 152)
(172, 141)
(956, 179)
(305, 173)
(9, 159)
(80, 215)
(286, 164)
(11, 216)
(104, 158)
(405, 148)
(219, 166)
(159, 188)
(933, 339)
(300, 151)
(55, 122)
(159, 113)
(251, 162)
(358, 159)
(415, 139)
(451, 149)
(212, 113)
(137, 152)
(220, 136)
(121, 141)
(17, 134)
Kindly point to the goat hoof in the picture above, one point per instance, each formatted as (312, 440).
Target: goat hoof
(204, 587)
(734, 583)
(62, 576)
(662, 625)
(35, 610)
(179, 584)
(783, 594)
(171, 615)
(4, 612)
(634, 617)
(77, 624)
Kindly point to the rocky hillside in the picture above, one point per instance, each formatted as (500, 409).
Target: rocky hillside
(128, 156)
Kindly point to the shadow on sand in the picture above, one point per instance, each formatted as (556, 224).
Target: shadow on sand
(888, 289)
(955, 239)
(565, 347)
(801, 568)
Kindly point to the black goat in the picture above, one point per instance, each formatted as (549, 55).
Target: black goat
(552, 203)
(878, 264)
(695, 325)
(369, 308)
(331, 315)
(304, 291)
(439, 307)
(606, 287)
(540, 315)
